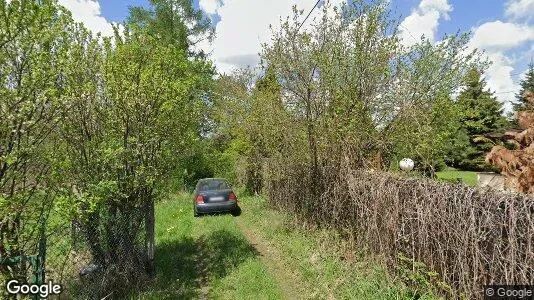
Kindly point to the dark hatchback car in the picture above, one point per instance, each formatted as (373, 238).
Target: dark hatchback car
(213, 195)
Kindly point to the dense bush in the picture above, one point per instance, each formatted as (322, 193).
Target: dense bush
(36, 40)
(343, 87)
(94, 130)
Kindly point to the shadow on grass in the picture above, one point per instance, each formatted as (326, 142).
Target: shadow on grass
(184, 266)
(235, 213)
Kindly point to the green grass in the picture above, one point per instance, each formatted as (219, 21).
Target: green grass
(449, 175)
(320, 258)
(209, 255)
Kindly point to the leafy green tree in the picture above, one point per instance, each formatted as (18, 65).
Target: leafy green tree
(174, 22)
(458, 147)
(231, 100)
(428, 119)
(359, 96)
(247, 117)
(481, 113)
(36, 39)
(430, 143)
(266, 114)
(134, 114)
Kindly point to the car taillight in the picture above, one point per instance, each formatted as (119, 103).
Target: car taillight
(200, 199)
(232, 197)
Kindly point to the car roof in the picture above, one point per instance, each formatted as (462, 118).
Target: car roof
(210, 179)
(204, 180)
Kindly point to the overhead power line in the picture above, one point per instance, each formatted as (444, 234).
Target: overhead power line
(507, 92)
(316, 3)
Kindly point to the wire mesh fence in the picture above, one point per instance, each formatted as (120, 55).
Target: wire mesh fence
(107, 256)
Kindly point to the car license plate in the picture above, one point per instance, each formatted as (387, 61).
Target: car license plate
(215, 199)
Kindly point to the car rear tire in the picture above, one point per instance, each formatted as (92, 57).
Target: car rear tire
(236, 212)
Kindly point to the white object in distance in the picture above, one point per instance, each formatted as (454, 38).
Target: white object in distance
(406, 164)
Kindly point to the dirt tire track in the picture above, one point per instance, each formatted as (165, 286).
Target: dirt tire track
(202, 269)
(290, 283)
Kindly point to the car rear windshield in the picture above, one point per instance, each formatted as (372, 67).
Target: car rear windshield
(213, 184)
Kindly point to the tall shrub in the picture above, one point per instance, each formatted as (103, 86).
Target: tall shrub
(36, 39)
(354, 93)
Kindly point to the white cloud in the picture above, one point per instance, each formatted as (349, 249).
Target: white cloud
(424, 21)
(244, 26)
(499, 78)
(520, 9)
(210, 6)
(442, 6)
(500, 35)
(89, 13)
(498, 39)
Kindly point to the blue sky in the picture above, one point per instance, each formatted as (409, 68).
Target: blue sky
(465, 14)
(503, 28)
(117, 11)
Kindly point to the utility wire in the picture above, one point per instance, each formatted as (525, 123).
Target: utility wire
(507, 92)
(317, 3)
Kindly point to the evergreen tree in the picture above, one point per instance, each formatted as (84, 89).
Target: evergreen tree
(174, 22)
(481, 113)
(527, 84)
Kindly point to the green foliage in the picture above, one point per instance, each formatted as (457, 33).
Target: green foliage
(481, 113)
(160, 22)
(133, 121)
(36, 40)
(431, 141)
(206, 160)
(247, 124)
(95, 127)
(346, 91)
(527, 84)
(423, 282)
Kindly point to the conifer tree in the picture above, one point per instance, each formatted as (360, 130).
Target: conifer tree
(527, 84)
(481, 113)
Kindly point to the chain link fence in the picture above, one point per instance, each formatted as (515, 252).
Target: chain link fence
(107, 255)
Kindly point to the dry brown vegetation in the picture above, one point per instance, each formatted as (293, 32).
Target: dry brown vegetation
(469, 236)
(517, 164)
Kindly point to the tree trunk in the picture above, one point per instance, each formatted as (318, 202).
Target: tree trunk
(150, 239)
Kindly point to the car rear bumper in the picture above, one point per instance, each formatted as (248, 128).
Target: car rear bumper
(203, 208)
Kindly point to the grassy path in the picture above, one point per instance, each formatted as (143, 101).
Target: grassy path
(318, 259)
(204, 258)
(258, 255)
(290, 284)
